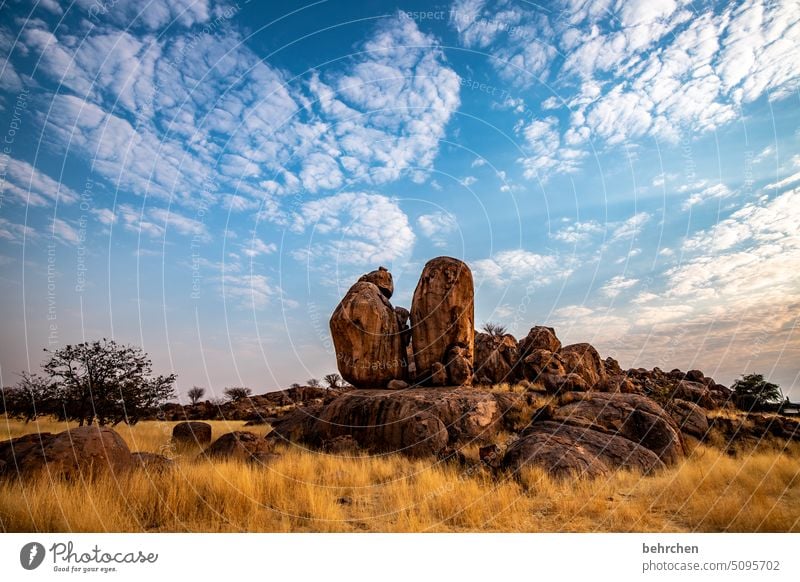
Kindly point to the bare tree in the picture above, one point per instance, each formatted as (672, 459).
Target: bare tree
(313, 382)
(295, 386)
(196, 393)
(237, 392)
(333, 381)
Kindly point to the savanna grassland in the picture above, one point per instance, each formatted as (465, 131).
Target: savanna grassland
(309, 491)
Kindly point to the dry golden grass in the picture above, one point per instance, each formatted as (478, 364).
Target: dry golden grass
(315, 492)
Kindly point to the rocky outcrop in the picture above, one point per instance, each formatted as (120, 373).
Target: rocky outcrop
(74, 454)
(570, 451)
(596, 433)
(443, 321)
(191, 433)
(539, 338)
(496, 358)
(241, 445)
(583, 360)
(689, 417)
(631, 416)
(417, 421)
(367, 337)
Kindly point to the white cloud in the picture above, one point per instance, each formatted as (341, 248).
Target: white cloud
(714, 192)
(515, 265)
(578, 232)
(14, 232)
(468, 181)
(631, 227)
(356, 228)
(254, 291)
(640, 68)
(257, 247)
(64, 232)
(616, 285)
(28, 185)
(185, 116)
(478, 162)
(437, 226)
(548, 154)
(788, 181)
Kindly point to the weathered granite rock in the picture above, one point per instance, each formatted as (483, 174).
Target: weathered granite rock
(417, 421)
(367, 338)
(191, 433)
(443, 317)
(583, 359)
(74, 454)
(496, 358)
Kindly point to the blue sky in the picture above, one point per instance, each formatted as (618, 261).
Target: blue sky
(206, 179)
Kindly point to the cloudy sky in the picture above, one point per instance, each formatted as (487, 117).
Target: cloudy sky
(206, 179)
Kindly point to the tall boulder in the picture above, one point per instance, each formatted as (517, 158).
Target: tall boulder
(443, 321)
(370, 351)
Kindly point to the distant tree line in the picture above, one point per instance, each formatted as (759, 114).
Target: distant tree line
(100, 381)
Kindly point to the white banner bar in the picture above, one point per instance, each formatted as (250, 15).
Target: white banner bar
(400, 557)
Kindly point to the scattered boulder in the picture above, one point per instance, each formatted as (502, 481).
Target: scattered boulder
(690, 418)
(366, 336)
(568, 451)
(539, 338)
(438, 374)
(241, 445)
(382, 279)
(583, 359)
(191, 433)
(78, 453)
(443, 317)
(397, 385)
(496, 358)
(694, 392)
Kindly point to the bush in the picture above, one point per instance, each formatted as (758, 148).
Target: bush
(195, 394)
(494, 329)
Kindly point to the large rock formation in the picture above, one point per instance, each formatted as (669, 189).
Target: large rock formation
(443, 322)
(496, 358)
(597, 433)
(417, 421)
(74, 454)
(367, 335)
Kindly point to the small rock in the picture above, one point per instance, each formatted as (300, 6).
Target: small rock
(190, 433)
(397, 385)
(438, 374)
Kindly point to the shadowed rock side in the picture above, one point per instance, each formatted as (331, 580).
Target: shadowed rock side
(443, 323)
(366, 335)
(416, 421)
(382, 279)
(241, 445)
(496, 358)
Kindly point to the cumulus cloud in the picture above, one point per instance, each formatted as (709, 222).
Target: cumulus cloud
(578, 232)
(715, 191)
(616, 285)
(355, 228)
(437, 226)
(518, 264)
(640, 68)
(197, 117)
